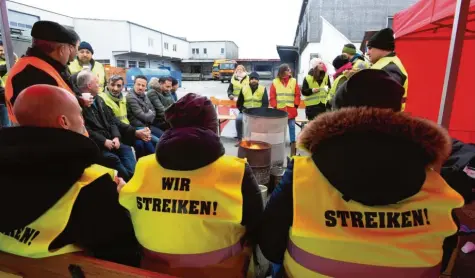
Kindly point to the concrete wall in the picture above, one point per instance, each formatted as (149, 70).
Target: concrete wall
(351, 17)
(177, 48)
(232, 50)
(214, 50)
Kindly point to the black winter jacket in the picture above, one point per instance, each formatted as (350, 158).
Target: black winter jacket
(161, 102)
(31, 75)
(140, 111)
(102, 125)
(39, 165)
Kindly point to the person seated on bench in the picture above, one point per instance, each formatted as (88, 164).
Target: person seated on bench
(367, 202)
(117, 103)
(140, 110)
(107, 132)
(251, 96)
(193, 207)
(54, 199)
(161, 98)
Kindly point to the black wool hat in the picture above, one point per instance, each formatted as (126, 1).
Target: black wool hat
(86, 45)
(371, 88)
(383, 39)
(53, 32)
(340, 61)
(254, 75)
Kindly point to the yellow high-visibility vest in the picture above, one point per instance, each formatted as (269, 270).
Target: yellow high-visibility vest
(360, 64)
(187, 218)
(33, 241)
(321, 96)
(119, 109)
(336, 83)
(253, 100)
(383, 62)
(98, 69)
(238, 85)
(331, 237)
(285, 95)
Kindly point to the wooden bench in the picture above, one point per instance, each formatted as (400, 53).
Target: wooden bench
(68, 265)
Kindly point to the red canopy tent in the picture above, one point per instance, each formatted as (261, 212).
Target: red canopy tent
(423, 38)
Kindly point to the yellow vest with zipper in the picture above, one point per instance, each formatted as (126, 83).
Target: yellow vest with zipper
(331, 237)
(33, 241)
(187, 218)
(119, 109)
(320, 96)
(331, 94)
(285, 95)
(383, 62)
(238, 85)
(98, 69)
(360, 64)
(253, 100)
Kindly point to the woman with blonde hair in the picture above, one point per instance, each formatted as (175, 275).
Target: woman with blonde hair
(238, 81)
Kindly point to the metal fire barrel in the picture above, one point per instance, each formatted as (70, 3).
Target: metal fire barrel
(267, 125)
(258, 155)
(276, 174)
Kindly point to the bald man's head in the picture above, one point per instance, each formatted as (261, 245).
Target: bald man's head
(48, 106)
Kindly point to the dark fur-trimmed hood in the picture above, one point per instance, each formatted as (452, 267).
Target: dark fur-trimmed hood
(375, 156)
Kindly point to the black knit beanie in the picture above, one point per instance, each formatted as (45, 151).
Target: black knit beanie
(340, 61)
(370, 88)
(86, 45)
(383, 39)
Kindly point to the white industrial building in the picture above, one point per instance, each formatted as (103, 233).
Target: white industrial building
(122, 43)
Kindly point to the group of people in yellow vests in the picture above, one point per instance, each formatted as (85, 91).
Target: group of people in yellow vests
(317, 89)
(367, 202)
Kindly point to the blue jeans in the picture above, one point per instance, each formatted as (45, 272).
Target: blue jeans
(156, 134)
(292, 130)
(143, 148)
(4, 120)
(122, 160)
(239, 126)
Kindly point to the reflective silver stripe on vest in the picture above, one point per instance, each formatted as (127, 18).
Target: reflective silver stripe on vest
(333, 268)
(286, 94)
(194, 260)
(312, 97)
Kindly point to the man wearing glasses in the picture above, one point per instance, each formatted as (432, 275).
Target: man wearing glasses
(45, 62)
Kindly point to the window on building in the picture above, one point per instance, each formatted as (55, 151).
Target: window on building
(174, 47)
(390, 22)
(222, 50)
(13, 23)
(105, 62)
(197, 51)
(165, 45)
(132, 64)
(205, 51)
(150, 42)
(193, 51)
(142, 64)
(121, 63)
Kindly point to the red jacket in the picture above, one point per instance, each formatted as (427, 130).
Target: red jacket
(292, 111)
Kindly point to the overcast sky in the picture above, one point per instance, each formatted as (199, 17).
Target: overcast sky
(256, 26)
